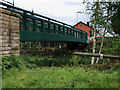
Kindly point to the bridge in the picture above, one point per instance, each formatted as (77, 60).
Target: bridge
(35, 27)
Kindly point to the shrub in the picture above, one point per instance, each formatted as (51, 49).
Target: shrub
(76, 60)
(34, 61)
(11, 61)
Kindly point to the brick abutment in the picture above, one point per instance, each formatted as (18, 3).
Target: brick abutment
(9, 33)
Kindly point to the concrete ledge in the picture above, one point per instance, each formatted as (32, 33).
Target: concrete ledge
(9, 13)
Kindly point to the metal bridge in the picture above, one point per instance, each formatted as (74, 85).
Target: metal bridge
(35, 27)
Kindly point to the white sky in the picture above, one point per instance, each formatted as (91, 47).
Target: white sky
(62, 10)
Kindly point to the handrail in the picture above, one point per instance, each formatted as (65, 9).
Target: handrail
(26, 11)
(36, 26)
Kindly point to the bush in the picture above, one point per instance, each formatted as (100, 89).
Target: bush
(34, 61)
(11, 61)
(76, 60)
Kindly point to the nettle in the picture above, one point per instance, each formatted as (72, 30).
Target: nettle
(10, 61)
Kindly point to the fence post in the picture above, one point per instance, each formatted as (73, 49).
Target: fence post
(101, 60)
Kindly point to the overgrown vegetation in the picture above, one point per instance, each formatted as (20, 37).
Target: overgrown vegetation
(57, 72)
(57, 77)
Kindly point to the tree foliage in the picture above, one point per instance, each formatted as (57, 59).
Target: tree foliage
(99, 20)
(101, 14)
(105, 19)
(115, 18)
(103, 8)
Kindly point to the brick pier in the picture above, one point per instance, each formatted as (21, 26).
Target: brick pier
(9, 33)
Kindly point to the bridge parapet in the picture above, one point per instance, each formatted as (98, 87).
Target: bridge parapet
(36, 27)
(9, 33)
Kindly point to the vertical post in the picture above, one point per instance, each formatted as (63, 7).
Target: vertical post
(59, 29)
(25, 21)
(101, 59)
(42, 26)
(20, 25)
(67, 31)
(81, 34)
(34, 25)
(49, 27)
(78, 34)
(13, 4)
(70, 32)
(76, 17)
(63, 30)
(54, 28)
(73, 32)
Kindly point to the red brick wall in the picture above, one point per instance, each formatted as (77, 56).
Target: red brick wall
(84, 27)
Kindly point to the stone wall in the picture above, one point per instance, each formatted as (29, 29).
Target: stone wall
(9, 33)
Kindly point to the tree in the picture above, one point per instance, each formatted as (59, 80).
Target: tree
(100, 19)
(105, 6)
(96, 15)
(115, 19)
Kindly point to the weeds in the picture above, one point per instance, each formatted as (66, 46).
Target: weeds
(56, 72)
(56, 77)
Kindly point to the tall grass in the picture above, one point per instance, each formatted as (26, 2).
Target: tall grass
(57, 77)
(55, 72)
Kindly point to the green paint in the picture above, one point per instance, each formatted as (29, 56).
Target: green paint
(49, 29)
(43, 36)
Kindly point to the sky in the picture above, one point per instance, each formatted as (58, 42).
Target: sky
(62, 10)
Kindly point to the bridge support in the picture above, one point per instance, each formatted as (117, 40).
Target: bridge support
(9, 33)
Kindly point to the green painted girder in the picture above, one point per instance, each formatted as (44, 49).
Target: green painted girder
(49, 29)
(43, 36)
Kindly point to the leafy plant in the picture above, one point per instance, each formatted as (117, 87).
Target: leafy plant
(10, 61)
(75, 60)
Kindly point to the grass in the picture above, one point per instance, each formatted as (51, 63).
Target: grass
(59, 77)
(57, 72)
(0, 77)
